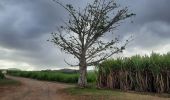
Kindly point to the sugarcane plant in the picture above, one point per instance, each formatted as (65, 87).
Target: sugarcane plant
(138, 73)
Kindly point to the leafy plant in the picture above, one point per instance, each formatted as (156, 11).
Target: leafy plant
(2, 76)
(140, 73)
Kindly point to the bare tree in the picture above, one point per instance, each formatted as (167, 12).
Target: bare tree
(82, 34)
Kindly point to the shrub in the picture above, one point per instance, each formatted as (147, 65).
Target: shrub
(2, 75)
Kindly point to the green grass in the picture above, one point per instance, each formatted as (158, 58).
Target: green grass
(53, 76)
(105, 94)
(89, 91)
(4, 82)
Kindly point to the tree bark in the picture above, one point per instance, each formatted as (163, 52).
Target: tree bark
(82, 81)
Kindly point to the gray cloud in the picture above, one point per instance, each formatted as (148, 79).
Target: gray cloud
(25, 25)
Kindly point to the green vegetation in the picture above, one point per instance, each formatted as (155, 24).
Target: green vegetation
(91, 93)
(88, 91)
(4, 82)
(105, 94)
(2, 75)
(53, 76)
(139, 73)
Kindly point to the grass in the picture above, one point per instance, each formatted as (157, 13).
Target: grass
(105, 94)
(89, 91)
(4, 82)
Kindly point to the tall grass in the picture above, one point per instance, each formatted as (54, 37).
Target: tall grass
(53, 76)
(139, 73)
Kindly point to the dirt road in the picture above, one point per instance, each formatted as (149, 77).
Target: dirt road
(41, 90)
(33, 90)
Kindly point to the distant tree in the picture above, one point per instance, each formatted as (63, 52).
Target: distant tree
(82, 35)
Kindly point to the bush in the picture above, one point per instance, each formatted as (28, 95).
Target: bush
(2, 75)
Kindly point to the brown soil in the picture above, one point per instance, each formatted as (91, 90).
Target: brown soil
(33, 90)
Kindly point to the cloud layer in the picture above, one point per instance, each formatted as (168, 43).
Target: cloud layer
(25, 25)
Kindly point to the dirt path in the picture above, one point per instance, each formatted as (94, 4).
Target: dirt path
(41, 90)
(33, 90)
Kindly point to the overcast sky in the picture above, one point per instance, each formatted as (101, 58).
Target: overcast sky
(25, 25)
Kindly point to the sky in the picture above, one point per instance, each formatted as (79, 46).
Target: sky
(25, 27)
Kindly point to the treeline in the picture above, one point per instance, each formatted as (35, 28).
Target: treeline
(58, 76)
(138, 73)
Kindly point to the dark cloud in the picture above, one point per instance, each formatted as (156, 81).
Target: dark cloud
(147, 11)
(25, 25)
(154, 10)
(23, 22)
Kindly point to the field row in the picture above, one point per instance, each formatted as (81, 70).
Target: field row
(53, 76)
(138, 73)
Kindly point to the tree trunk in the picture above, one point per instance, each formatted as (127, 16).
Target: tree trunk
(82, 81)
